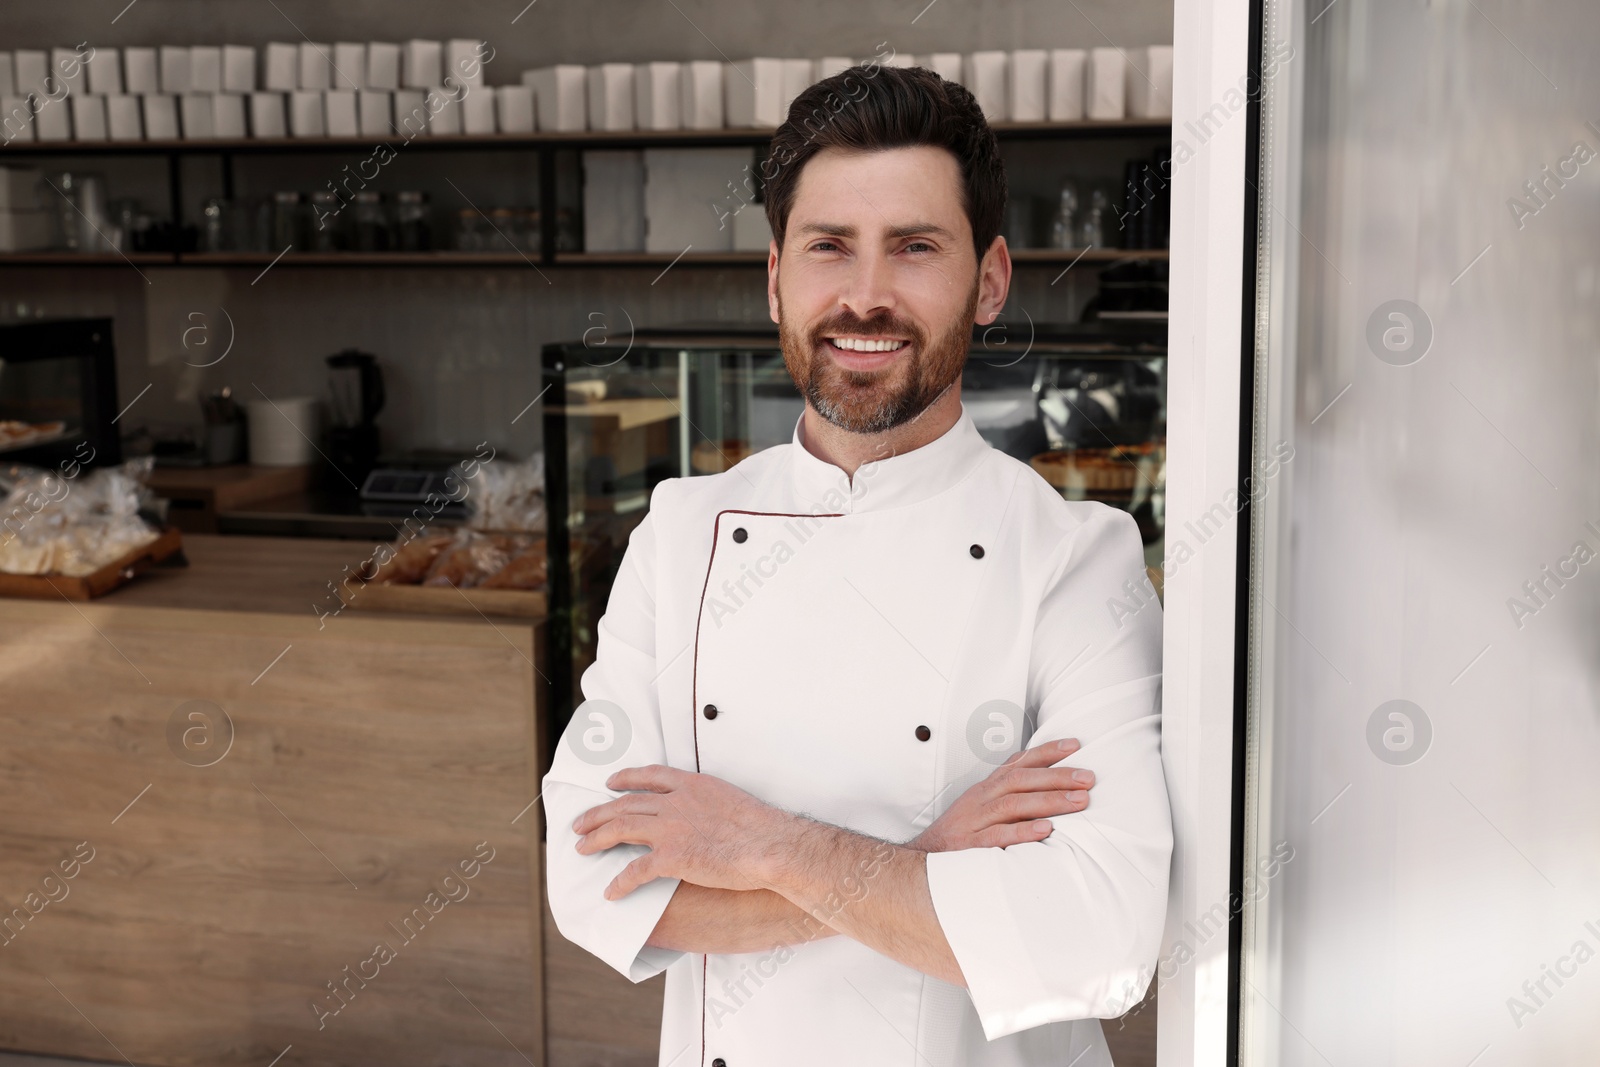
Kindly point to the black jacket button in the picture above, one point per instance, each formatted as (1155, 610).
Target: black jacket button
(977, 551)
(740, 535)
(719, 1062)
(923, 733)
(710, 711)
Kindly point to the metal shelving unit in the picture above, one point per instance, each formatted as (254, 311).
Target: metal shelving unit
(545, 145)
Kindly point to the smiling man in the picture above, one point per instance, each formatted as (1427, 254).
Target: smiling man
(834, 803)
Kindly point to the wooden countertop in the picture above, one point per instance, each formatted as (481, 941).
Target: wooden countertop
(230, 485)
(240, 771)
(284, 575)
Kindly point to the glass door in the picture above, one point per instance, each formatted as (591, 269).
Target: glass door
(1422, 719)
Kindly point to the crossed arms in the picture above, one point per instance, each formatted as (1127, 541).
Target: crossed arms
(751, 874)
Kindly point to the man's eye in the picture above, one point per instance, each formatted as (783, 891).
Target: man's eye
(919, 246)
(824, 246)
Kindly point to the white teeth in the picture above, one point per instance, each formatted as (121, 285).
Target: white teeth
(855, 344)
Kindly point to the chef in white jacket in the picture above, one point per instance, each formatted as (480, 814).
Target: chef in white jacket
(820, 775)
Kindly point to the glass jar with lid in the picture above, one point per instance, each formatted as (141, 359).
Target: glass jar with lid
(123, 213)
(469, 230)
(214, 226)
(81, 210)
(325, 229)
(1064, 227)
(287, 222)
(1092, 226)
(502, 223)
(525, 234)
(413, 221)
(372, 230)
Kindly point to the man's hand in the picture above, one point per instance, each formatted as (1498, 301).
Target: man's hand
(1012, 805)
(698, 828)
(706, 831)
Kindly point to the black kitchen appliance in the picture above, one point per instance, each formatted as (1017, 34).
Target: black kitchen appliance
(355, 385)
(58, 393)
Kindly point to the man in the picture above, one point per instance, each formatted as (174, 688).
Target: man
(819, 777)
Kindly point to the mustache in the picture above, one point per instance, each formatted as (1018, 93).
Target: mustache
(877, 324)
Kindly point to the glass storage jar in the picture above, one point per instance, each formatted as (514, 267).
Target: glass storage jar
(214, 226)
(324, 222)
(532, 234)
(287, 220)
(372, 230)
(469, 230)
(413, 221)
(498, 238)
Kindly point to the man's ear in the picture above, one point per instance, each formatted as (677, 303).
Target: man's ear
(773, 252)
(994, 281)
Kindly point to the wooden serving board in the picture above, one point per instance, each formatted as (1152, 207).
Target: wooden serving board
(118, 572)
(445, 599)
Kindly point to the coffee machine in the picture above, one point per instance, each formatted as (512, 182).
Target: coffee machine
(355, 386)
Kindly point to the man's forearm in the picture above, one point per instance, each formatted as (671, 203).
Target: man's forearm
(699, 919)
(869, 890)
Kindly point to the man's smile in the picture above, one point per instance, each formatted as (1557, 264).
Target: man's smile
(865, 353)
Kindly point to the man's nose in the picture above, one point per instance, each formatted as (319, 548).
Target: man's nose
(870, 287)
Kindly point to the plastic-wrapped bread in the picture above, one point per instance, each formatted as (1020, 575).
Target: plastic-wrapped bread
(72, 525)
(467, 560)
(414, 558)
(509, 495)
(529, 569)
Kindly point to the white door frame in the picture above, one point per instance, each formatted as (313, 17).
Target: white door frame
(1205, 344)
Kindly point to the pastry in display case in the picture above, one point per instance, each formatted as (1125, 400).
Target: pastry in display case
(495, 564)
(1083, 405)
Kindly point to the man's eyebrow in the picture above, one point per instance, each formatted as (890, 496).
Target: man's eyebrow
(915, 229)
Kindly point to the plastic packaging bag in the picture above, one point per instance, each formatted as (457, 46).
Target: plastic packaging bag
(468, 559)
(72, 522)
(508, 495)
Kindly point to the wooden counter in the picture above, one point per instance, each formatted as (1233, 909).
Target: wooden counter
(223, 903)
(198, 494)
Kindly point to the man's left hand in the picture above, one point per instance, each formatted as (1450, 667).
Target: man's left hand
(698, 828)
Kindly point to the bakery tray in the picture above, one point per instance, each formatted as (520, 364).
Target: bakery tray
(381, 594)
(120, 571)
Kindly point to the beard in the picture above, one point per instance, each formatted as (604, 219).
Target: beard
(874, 401)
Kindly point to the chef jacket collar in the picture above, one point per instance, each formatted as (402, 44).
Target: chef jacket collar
(893, 481)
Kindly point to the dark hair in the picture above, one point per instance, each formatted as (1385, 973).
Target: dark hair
(871, 107)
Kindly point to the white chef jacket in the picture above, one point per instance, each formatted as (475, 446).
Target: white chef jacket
(829, 620)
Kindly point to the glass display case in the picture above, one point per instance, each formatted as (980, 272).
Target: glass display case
(1084, 405)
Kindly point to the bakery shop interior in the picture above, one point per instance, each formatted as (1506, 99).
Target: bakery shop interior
(341, 352)
(518, 516)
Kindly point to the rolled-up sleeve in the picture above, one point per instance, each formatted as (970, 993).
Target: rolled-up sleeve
(617, 726)
(1070, 927)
